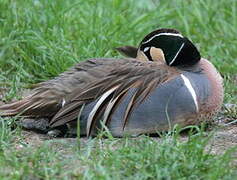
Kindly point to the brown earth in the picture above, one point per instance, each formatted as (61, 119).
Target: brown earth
(224, 137)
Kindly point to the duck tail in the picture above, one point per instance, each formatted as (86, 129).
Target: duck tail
(15, 108)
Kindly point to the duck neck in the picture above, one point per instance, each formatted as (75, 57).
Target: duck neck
(217, 92)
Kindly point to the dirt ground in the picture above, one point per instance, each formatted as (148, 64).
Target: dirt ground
(225, 137)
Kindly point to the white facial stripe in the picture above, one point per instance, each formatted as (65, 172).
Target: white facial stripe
(163, 34)
(146, 49)
(191, 90)
(95, 108)
(176, 54)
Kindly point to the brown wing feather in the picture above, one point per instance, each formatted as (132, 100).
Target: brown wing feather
(31, 106)
(70, 113)
(46, 99)
(143, 76)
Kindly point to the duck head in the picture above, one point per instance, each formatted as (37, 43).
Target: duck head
(164, 46)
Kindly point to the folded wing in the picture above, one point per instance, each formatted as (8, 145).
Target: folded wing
(108, 92)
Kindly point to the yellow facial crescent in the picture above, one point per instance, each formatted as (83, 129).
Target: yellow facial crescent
(157, 54)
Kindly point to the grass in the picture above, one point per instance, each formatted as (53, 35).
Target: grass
(138, 158)
(40, 39)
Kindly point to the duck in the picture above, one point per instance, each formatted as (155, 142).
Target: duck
(163, 82)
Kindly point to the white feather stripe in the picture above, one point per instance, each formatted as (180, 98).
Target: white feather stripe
(191, 90)
(96, 107)
(63, 102)
(108, 109)
(111, 105)
(163, 34)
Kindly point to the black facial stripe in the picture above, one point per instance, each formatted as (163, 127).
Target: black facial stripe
(148, 54)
